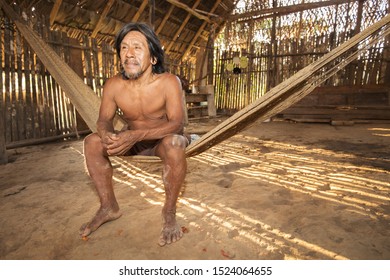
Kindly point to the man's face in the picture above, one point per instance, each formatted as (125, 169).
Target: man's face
(135, 55)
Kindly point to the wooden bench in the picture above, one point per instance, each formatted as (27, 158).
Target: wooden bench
(200, 102)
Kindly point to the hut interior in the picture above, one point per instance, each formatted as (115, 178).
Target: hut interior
(283, 64)
(227, 53)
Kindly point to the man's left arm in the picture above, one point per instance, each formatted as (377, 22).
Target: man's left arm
(175, 106)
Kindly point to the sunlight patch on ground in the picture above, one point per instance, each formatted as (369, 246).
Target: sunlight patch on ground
(288, 166)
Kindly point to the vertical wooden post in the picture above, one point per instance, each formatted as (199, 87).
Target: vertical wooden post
(211, 111)
(386, 57)
(250, 64)
(272, 54)
(3, 151)
(200, 58)
(185, 108)
(210, 56)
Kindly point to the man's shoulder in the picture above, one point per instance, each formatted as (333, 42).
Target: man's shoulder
(116, 77)
(113, 85)
(114, 80)
(168, 77)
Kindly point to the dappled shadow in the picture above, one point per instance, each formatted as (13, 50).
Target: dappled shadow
(339, 180)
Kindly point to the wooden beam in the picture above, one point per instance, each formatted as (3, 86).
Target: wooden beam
(152, 9)
(200, 30)
(288, 9)
(189, 10)
(102, 18)
(166, 17)
(185, 21)
(54, 11)
(207, 13)
(140, 10)
(3, 151)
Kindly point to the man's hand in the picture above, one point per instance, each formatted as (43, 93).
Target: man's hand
(117, 144)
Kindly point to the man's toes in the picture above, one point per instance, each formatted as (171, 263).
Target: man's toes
(181, 233)
(175, 238)
(85, 230)
(82, 228)
(165, 239)
(162, 242)
(167, 236)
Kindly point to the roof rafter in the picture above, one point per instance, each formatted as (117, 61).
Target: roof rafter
(54, 11)
(189, 10)
(200, 30)
(140, 10)
(288, 9)
(185, 21)
(102, 18)
(152, 11)
(166, 17)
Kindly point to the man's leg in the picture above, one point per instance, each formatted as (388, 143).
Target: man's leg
(100, 170)
(172, 152)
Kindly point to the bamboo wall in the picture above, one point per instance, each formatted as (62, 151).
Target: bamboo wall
(33, 107)
(277, 46)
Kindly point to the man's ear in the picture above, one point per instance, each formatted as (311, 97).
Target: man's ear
(153, 60)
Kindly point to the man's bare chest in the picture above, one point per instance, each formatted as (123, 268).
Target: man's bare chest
(142, 104)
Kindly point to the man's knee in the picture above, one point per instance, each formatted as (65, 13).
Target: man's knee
(175, 141)
(173, 148)
(92, 140)
(179, 141)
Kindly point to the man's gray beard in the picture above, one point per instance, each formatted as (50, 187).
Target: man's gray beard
(129, 76)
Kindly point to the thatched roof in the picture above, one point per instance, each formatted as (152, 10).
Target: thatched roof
(183, 26)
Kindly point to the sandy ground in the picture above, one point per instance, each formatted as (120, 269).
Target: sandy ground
(278, 190)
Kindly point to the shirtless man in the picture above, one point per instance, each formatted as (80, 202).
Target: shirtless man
(152, 104)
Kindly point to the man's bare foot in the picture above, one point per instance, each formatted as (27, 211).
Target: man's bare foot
(102, 216)
(171, 231)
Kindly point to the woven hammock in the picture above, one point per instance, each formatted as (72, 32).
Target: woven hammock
(274, 101)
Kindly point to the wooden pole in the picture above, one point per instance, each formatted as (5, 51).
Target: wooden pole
(103, 16)
(152, 8)
(250, 65)
(54, 11)
(3, 151)
(190, 10)
(386, 56)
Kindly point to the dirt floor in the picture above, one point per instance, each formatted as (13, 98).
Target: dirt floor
(278, 190)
